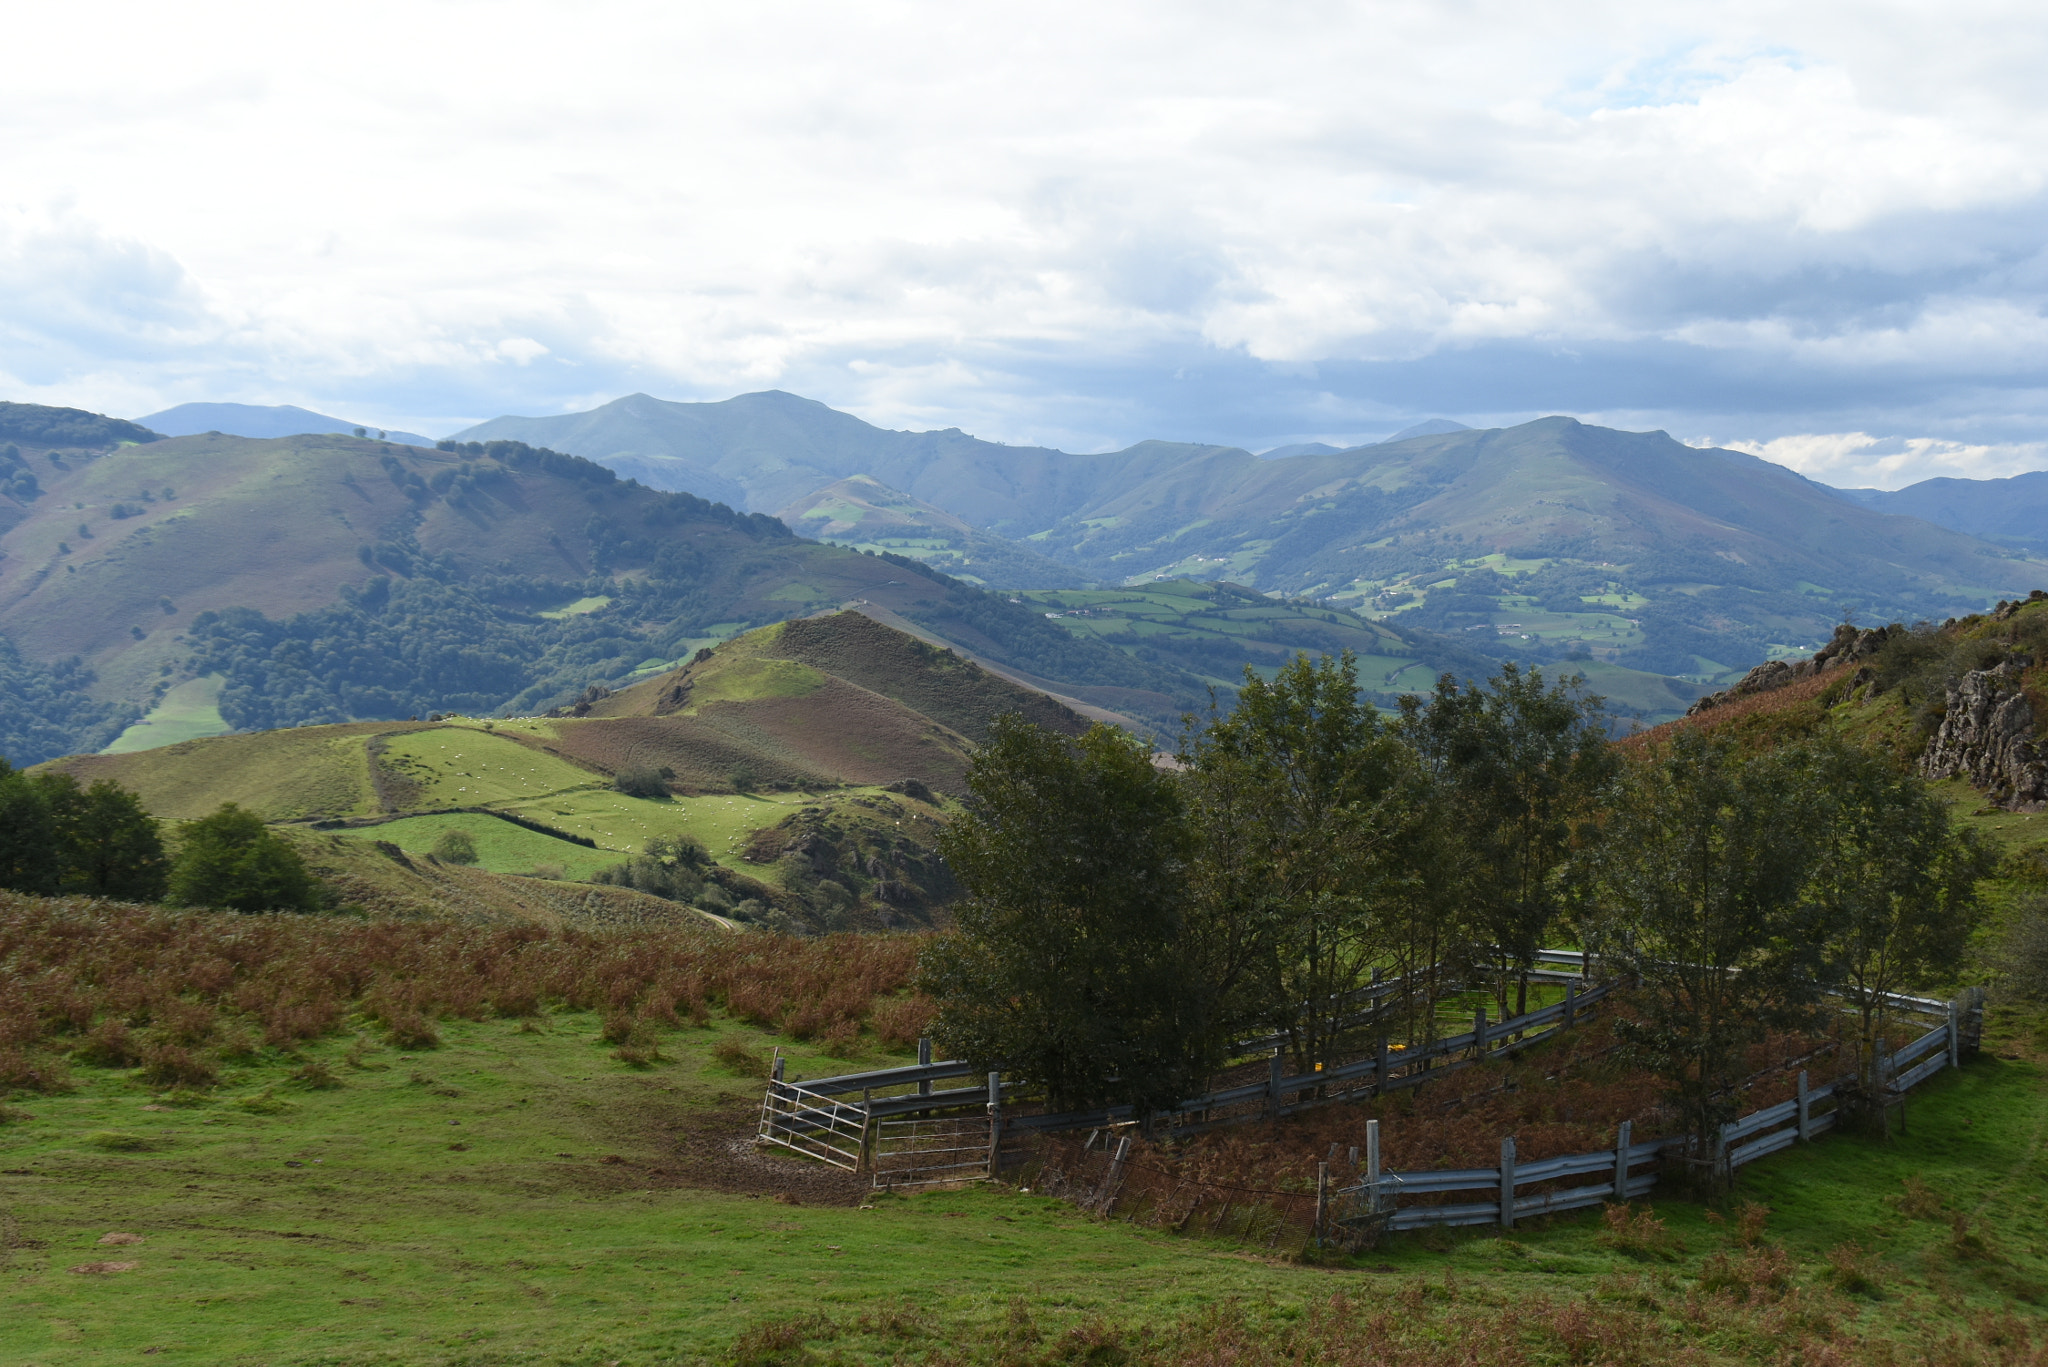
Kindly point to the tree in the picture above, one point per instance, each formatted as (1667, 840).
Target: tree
(1308, 808)
(1702, 875)
(1522, 767)
(455, 846)
(1068, 963)
(1894, 876)
(231, 860)
(105, 843)
(28, 850)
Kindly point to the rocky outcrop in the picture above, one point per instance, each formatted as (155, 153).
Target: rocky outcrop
(1848, 646)
(1987, 737)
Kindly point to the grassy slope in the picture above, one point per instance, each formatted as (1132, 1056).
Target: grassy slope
(189, 711)
(866, 514)
(501, 847)
(1197, 624)
(528, 1244)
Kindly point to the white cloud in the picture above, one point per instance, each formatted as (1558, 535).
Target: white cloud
(1336, 213)
(1858, 460)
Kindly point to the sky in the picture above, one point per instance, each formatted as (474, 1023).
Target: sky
(1813, 232)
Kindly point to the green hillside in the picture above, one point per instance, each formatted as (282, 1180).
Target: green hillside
(1536, 542)
(1213, 630)
(810, 759)
(324, 579)
(866, 514)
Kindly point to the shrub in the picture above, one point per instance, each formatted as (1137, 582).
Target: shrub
(230, 860)
(901, 1021)
(1636, 1233)
(740, 1060)
(167, 1065)
(110, 1045)
(20, 1072)
(553, 872)
(408, 1029)
(640, 780)
(117, 1141)
(455, 846)
(843, 1039)
(316, 1076)
(1853, 1270)
(1761, 1274)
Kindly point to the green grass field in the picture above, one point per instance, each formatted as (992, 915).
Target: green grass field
(501, 847)
(466, 766)
(188, 712)
(721, 822)
(516, 1196)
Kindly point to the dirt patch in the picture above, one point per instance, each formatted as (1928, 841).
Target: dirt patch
(100, 1269)
(711, 1151)
(120, 1237)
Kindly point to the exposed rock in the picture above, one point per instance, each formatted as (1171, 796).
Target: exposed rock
(1848, 645)
(2006, 611)
(1987, 737)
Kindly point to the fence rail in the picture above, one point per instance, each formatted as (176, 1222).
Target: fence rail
(1387, 1068)
(1376, 1202)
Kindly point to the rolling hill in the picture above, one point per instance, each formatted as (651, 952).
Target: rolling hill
(327, 579)
(2012, 511)
(866, 514)
(805, 753)
(263, 420)
(1541, 541)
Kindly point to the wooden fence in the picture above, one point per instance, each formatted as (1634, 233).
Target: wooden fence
(1406, 1200)
(810, 1117)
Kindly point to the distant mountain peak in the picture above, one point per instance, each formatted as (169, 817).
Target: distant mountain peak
(1428, 427)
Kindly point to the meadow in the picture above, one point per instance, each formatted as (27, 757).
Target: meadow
(518, 1194)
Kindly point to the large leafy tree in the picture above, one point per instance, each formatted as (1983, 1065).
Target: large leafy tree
(1309, 812)
(232, 861)
(28, 850)
(1068, 964)
(1894, 876)
(1703, 878)
(106, 845)
(1521, 766)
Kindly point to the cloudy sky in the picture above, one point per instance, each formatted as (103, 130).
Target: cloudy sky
(1813, 231)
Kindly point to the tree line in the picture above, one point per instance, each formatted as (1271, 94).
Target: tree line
(1127, 921)
(58, 837)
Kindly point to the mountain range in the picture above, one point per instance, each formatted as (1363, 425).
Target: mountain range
(196, 584)
(1549, 540)
(2011, 511)
(263, 420)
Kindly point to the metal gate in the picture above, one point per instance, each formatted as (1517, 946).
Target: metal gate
(925, 1152)
(814, 1124)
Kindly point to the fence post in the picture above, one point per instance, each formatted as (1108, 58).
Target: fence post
(1622, 1139)
(1479, 1033)
(1507, 1182)
(995, 1119)
(1273, 1085)
(1805, 1110)
(1571, 1004)
(1954, 1051)
(1879, 1066)
(924, 1060)
(779, 1060)
(1116, 1173)
(1372, 1166)
(1322, 1197)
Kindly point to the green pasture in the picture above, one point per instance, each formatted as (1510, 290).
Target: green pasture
(467, 766)
(519, 1196)
(190, 711)
(501, 847)
(721, 822)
